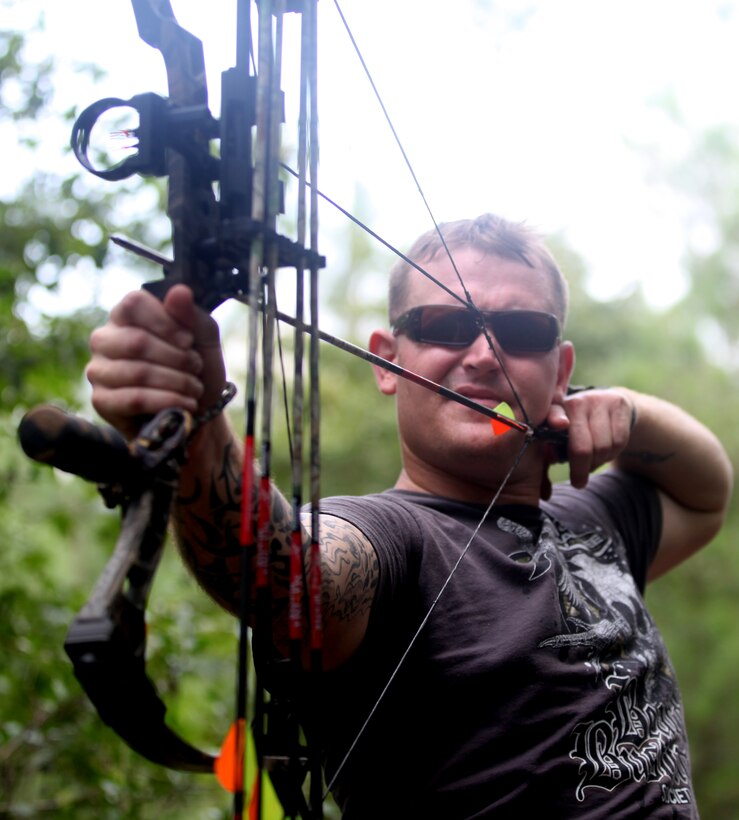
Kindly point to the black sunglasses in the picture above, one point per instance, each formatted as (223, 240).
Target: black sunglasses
(517, 331)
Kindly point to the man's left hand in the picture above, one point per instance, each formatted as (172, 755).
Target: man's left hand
(598, 423)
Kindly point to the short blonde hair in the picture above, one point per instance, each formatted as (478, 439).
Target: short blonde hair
(490, 234)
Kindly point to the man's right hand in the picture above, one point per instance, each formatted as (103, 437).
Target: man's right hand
(151, 355)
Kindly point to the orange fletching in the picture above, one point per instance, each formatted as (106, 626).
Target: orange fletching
(229, 765)
(500, 427)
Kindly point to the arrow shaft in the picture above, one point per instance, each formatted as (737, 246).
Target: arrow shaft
(409, 375)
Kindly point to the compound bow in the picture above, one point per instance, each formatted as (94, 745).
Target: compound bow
(224, 247)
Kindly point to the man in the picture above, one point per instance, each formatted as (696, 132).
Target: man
(521, 668)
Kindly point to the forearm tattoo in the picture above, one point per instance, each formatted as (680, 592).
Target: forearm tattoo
(648, 457)
(208, 523)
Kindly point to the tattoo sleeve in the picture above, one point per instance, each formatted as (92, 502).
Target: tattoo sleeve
(207, 523)
(647, 456)
(350, 571)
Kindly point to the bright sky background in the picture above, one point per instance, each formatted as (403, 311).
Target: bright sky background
(523, 108)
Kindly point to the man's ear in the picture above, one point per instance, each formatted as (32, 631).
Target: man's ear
(383, 343)
(564, 371)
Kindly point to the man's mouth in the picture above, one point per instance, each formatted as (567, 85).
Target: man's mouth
(482, 395)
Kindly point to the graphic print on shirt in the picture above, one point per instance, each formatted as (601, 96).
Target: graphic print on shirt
(639, 736)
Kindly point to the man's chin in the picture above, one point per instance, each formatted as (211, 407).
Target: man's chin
(480, 442)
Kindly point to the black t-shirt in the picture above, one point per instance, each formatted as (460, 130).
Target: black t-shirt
(538, 681)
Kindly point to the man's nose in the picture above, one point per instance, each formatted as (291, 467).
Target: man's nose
(480, 354)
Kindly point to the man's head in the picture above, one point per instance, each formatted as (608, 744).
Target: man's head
(514, 282)
(489, 234)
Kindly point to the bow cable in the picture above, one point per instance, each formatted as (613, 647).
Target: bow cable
(286, 733)
(468, 301)
(315, 580)
(263, 624)
(252, 535)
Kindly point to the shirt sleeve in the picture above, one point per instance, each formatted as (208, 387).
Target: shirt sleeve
(391, 527)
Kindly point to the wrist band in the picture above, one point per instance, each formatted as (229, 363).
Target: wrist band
(228, 392)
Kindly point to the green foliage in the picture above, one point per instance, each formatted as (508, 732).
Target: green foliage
(695, 606)
(56, 756)
(359, 452)
(698, 368)
(30, 83)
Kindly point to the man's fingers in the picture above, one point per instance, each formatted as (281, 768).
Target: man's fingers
(151, 355)
(557, 417)
(128, 343)
(129, 373)
(143, 310)
(125, 392)
(181, 307)
(580, 450)
(600, 426)
(127, 407)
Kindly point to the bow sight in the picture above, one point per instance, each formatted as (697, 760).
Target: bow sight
(178, 137)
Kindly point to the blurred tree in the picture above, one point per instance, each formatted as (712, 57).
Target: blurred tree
(702, 627)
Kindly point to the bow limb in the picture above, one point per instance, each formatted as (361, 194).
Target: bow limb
(107, 640)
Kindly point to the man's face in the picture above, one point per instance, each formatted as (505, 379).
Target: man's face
(441, 434)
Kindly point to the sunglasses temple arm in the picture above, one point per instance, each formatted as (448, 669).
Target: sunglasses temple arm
(372, 358)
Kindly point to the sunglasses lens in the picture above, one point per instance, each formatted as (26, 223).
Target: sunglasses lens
(446, 326)
(516, 331)
(525, 331)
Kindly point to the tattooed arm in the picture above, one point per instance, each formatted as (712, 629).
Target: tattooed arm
(152, 355)
(690, 468)
(662, 443)
(207, 516)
